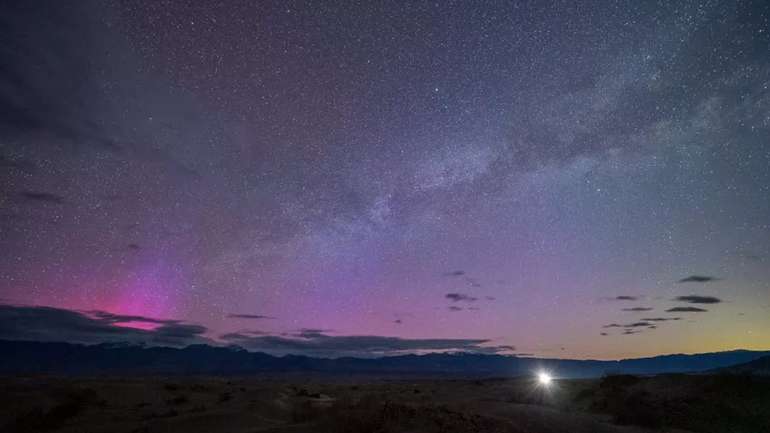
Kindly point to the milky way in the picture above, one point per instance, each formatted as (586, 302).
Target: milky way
(387, 177)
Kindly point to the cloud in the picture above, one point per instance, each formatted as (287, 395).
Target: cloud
(134, 247)
(660, 319)
(112, 318)
(454, 274)
(398, 321)
(637, 325)
(490, 298)
(308, 333)
(625, 298)
(454, 308)
(458, 297)
(324, 345)
(628, 325)
(630, 332)
(45, 197)
(248, 316)
(38, 323)
(603, 334)
(695, 299)
(638, 309)
(686, 310)
(698, 279)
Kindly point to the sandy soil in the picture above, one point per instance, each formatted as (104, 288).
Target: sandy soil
(249, 405)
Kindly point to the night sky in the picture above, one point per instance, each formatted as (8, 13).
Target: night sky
(562, 179)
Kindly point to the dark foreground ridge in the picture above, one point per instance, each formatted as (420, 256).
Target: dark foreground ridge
(685, 403)
(29, 357)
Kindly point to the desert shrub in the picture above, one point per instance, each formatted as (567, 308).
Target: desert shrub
(178, 400)
(198, 408)
(584, 394)
(373, 414)
(618, 381)
(369, 414)
(199, 388)
(38, 419)
(639, 408)
(167, 414)
(304, 411)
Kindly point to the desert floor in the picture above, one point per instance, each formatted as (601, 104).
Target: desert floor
(298, 404)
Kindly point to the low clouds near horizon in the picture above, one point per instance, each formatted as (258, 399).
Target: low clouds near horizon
(321, 344)
(42, 323)
(38, 323)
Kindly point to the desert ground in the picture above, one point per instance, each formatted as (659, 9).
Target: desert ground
(671, 403)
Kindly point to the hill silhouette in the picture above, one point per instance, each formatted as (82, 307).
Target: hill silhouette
(66, 358)
(757, 367)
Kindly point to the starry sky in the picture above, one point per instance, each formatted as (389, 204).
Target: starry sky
(557, 179)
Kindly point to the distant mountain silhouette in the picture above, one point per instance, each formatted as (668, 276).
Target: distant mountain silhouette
(26, 357)
(758, 367)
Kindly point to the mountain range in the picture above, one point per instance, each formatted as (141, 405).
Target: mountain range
(757, 367)
(29, 357)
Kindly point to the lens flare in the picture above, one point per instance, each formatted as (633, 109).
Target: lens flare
(544, 378)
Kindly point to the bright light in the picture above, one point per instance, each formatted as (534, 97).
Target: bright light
(544, 378)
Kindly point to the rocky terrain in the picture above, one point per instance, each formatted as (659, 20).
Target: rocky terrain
(674, 403)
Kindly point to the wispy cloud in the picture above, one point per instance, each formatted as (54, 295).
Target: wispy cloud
(321, 344)
(249, 316)
(460, 297)
(686, 310)
(698, 279)
(636, 309)
(44, 197)
(637, 325)
(696, 299)
(641, 324)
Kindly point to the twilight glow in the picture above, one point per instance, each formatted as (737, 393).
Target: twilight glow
(557, 179)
